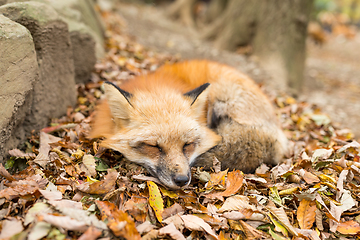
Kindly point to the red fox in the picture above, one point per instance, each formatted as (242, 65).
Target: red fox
(184, 114)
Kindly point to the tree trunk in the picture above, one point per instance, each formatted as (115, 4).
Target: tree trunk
(216, 7)
(279, 41)
(276, 29)
(184, 11)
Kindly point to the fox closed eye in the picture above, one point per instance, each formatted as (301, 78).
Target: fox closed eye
(154, 146)
(189, 148)
(148, 149)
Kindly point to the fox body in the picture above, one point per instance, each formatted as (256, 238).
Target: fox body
(184, 114)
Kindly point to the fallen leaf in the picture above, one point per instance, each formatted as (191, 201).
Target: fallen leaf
(217, 179)
(249, 215)
(51, 195)
(101, 187)
(308, 177)
(347, 201)
(118, 221)
(145, 227)
(234, 182)
(335, 211)
(172, 232)
(281, 216)
(88, 165)
(176, 220)
(65, 222)
(350, 227)
(43, 157)
(237, 202)
(40, 230)
(37, 209)
(91, 233)
(306, 214)
(10, 228)
(251, 232)
(170, 211)
(320, 154)
(24, 187)
(276, 236)
(353, 144)
(155, 200)
(6, 174)
(195, 223)
(20, 154)
(311, 234)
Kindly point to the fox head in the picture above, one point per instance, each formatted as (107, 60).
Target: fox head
(162, 130)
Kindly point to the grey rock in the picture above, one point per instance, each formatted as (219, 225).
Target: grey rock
(86, 32)
(18, 73)
(55, 90)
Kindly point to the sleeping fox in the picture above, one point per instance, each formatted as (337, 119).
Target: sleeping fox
(186, 113)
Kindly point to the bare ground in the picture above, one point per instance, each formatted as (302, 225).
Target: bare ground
(332, 75)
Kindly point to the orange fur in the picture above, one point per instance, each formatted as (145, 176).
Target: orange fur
(159, 127)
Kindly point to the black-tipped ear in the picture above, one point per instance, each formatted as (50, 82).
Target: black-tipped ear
(194, 94)
(126, 94)
(119, 101)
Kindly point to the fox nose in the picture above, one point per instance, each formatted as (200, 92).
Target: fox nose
(181, 180)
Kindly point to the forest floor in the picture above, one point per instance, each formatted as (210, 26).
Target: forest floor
(332, 74)
(63, 185)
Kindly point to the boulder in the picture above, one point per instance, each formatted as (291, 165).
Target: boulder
(19, 72)
(86, 33)
(55, 90)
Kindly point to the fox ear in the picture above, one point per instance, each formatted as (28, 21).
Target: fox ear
(199, 97)
(118, 100)
(194, 94)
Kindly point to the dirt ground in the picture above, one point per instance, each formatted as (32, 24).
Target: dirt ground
(332, 75)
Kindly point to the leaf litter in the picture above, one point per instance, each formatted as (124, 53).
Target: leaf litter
(65, 186)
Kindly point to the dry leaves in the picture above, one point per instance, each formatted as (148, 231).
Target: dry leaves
(306, 214)
(64, 186)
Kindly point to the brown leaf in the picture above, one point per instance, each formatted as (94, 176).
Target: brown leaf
(172, 232)
(20, 154)
(91, 233)
(233, 184)
(350, 227)
(170, 211)
(118, 221)
(103, 186)
(306, 214)
(251, 232)
(51, 195)
(24, 187)
(137, 207)
(43, 157)
(6, 174)
(65, 222)
(237, 202)
(145, 227)
(195, 223)
(10, 228)
(216, 179)
(142, 177)
(308, 177)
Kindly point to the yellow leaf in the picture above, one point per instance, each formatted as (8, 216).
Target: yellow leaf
(278, 226)
(216, 179)
(169, 193)
(306, 213)
(155, 200)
